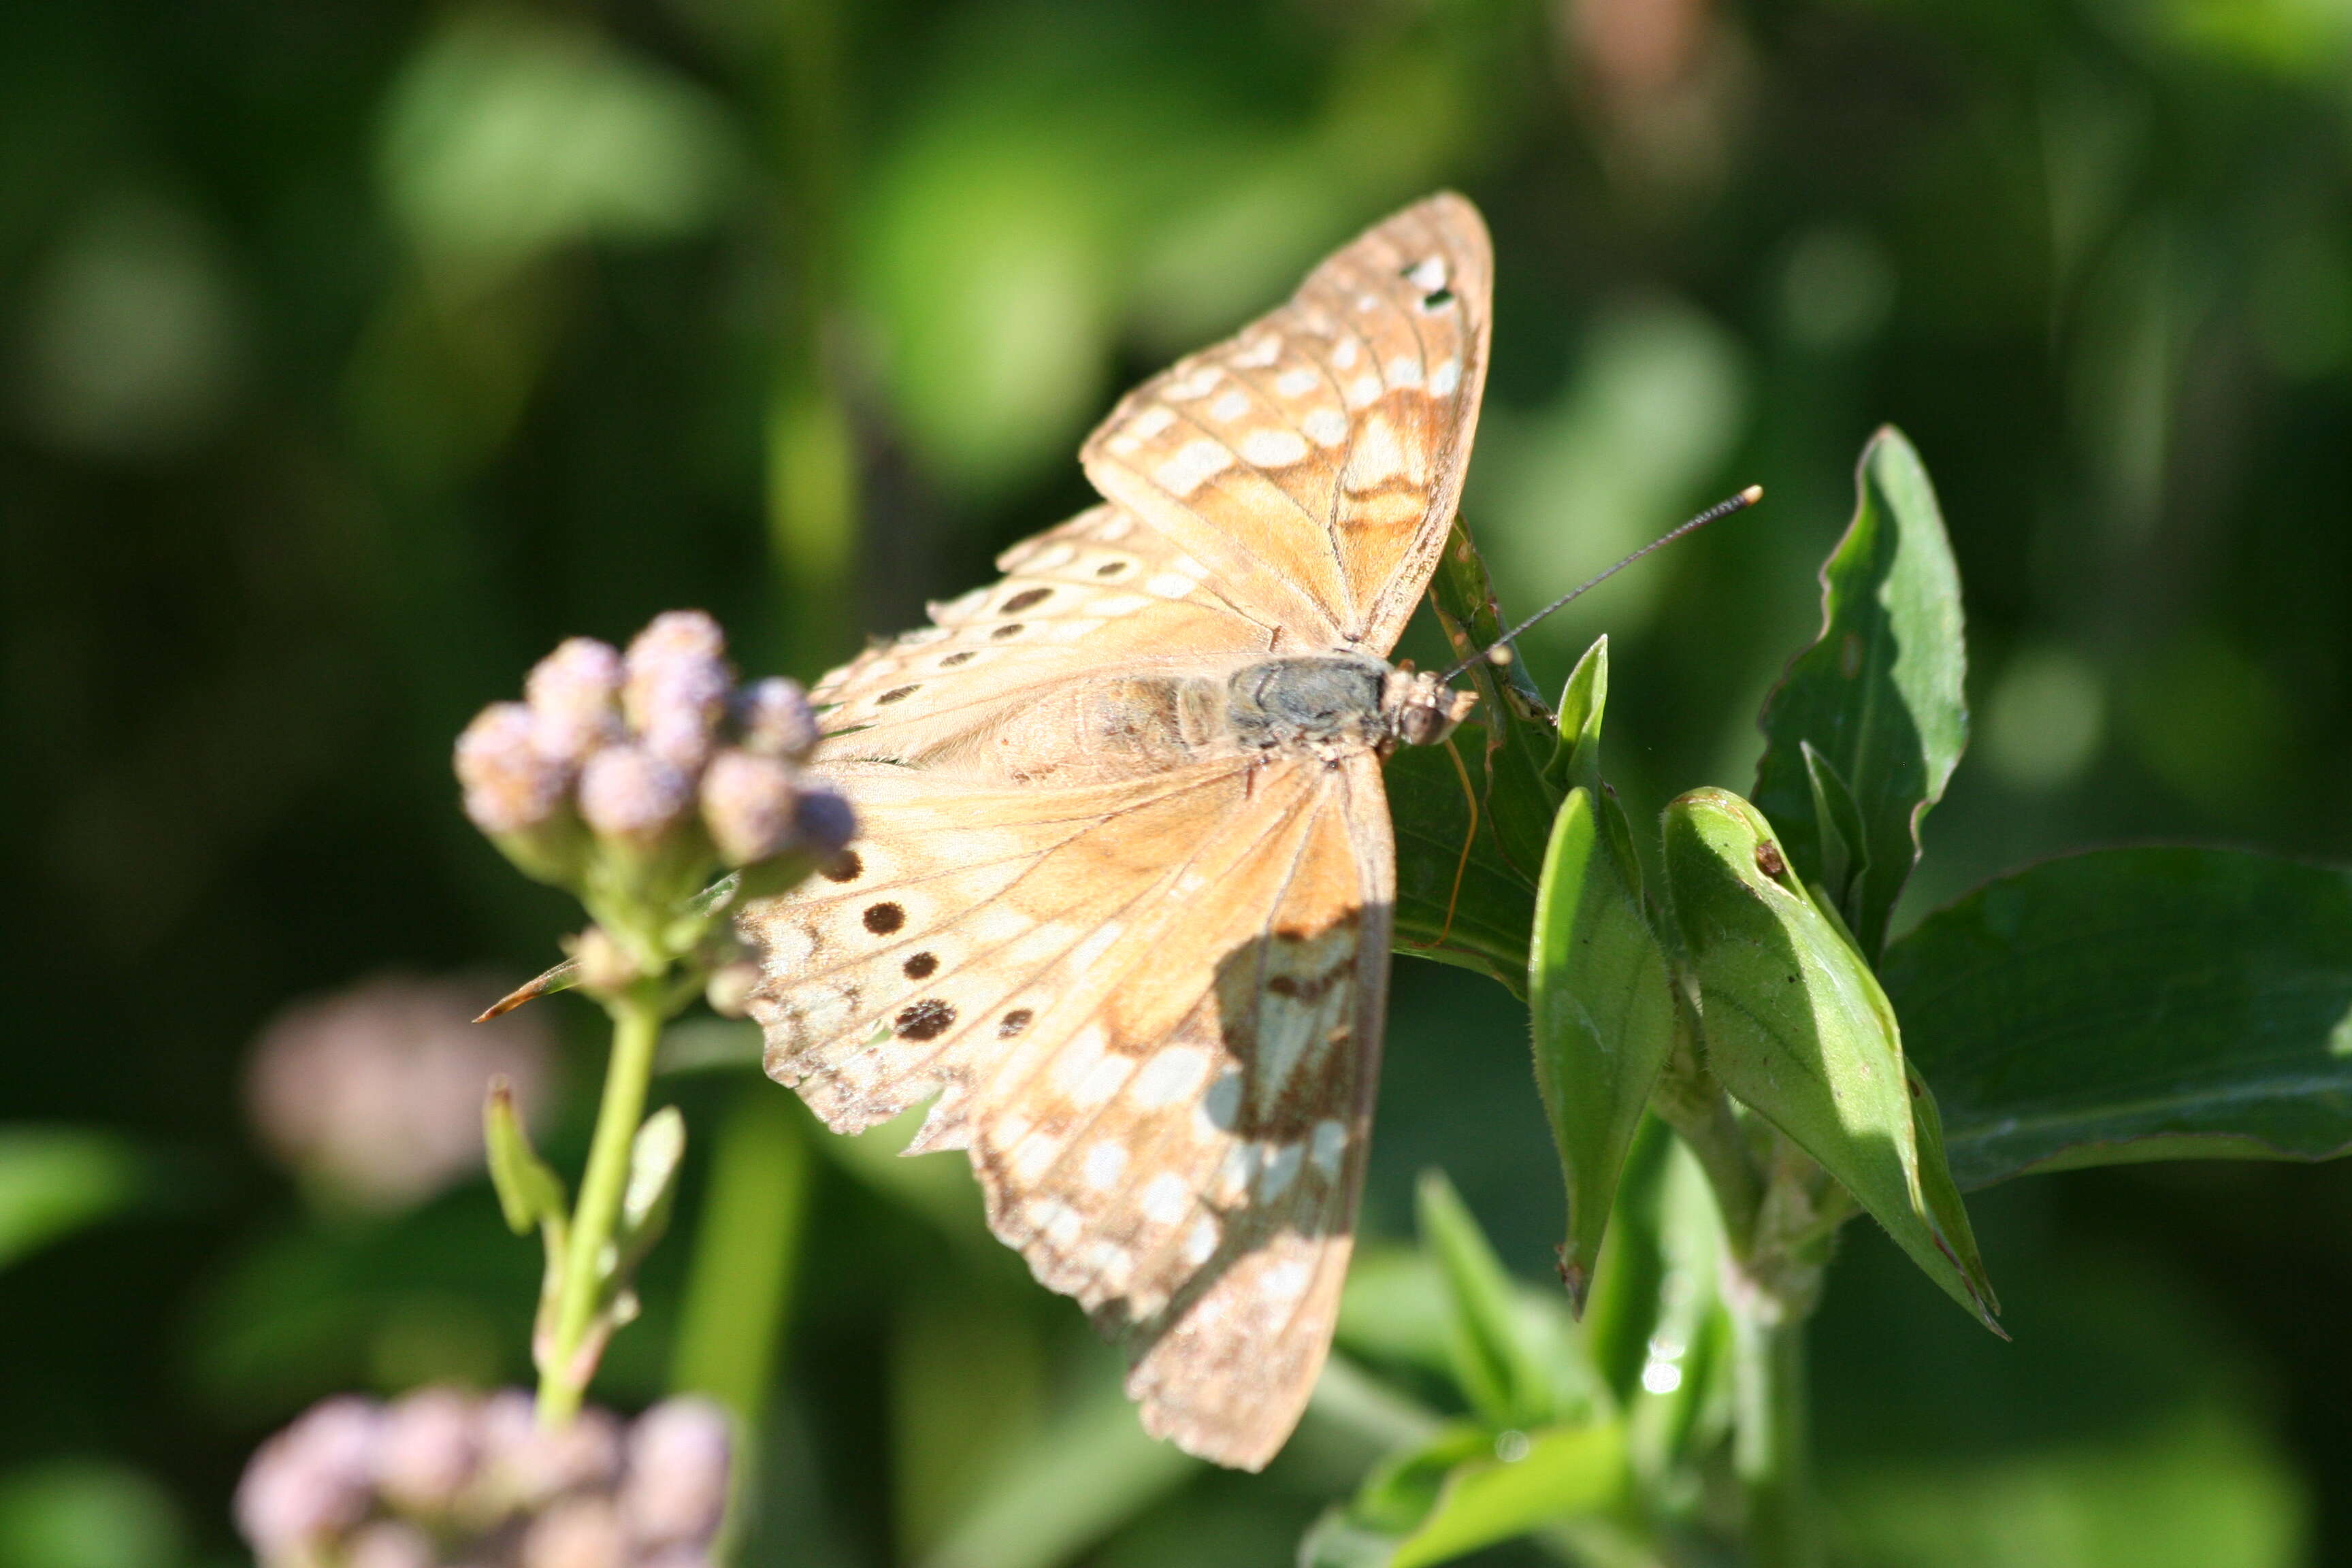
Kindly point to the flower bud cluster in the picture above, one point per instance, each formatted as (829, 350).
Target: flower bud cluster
(441, 1477)
(655, 760)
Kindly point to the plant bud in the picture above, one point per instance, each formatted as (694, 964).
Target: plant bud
(748, 804)
(575, 694)
(775, 718)
(629, 794)
(823, 821)
(530, 1464)
(426, 1452)
(390, 1543)
(730, 987)
(675, 1492)
(510, 786)
(605, 965)
(677, 687)
(577, 1532)
(310, 1481)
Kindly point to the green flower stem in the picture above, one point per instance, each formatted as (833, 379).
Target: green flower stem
(638, 1014)
(1771, 1448)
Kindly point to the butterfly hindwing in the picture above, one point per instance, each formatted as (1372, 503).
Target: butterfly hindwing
(1313, 461)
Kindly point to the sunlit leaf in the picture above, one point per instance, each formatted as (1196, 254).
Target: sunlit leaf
(1598, 989)
(1522, 733)
(530, 1194)
(1500, 1370)
(2130, 1005)
(1468, 1488)
(1796, 1027)
(56, 1180)
(1877, 697)
(655, 1157)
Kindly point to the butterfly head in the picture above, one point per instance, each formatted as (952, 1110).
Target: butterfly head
(1418, 708)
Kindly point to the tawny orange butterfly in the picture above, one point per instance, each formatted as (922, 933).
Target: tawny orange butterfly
(1123, 902)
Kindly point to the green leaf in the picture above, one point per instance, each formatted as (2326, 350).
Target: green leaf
(1500, 1370)
(1468, 1488)
(56, 1180)
(1576, 749)
(1796, 1027)
(1877, 697)
(655, 1155)
(2130, 1005)
(1599, 992)
(528, 1192)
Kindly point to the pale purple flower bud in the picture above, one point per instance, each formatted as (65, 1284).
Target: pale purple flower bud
(775, 718)
(377, 1092)
(426, 1453)
(575, 696)
(629, 792)
(510, 786)
(577, 1532)
(675, 1492)
(748, 804)
(310, 1481)
(677, 687)
(823, 821)
(530, 1464)
(390, 1543)
(729, 989)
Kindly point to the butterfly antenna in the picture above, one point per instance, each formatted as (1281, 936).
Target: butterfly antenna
(1719, 511)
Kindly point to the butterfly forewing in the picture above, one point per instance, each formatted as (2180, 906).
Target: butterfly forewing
(1314, 460)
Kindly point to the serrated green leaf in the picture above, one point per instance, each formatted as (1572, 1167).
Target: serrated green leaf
(1878, 695)
(1601, 1003)
(1468, 1488)
(1500, 1370)
(2132, 1004)
(1795, 1027)
(530, 1194)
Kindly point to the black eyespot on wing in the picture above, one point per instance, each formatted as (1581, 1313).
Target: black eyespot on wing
(1012, 1022)
(966, 657)
(925, 1020)
(1437, 299)
(1023, 600)
(1111, 568)
(847, 868)
(895, 693)
(1010, 629)
(922, 966)
(884, 918)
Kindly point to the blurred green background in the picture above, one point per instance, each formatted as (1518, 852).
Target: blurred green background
(353, 352)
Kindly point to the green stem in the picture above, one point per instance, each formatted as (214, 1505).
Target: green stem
(637, 1014)
(1770, 1451)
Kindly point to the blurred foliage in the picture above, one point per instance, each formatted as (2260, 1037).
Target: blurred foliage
(349, 355)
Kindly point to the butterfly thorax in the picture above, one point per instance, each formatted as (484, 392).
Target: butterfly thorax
(1324, 705)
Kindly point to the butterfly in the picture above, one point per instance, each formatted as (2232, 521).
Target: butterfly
(1122, 904)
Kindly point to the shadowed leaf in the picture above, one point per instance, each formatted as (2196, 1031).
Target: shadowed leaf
(2133, 1004)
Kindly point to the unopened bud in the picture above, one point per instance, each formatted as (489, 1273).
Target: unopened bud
(574, 695)
(630, 793)
(310, 1481)
(675, 1492)
(530, 1464)
(390, 1543)
(823, 821)
(775, 718)
(604, 965)
(511, 786)
(748, 804)
(730, 987)
(426, 1452)
(676, 686)
(577, 1532)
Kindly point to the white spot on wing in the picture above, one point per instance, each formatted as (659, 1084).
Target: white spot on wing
(1326, 426)
(1296, 382)
(1286, 1280)
(1165, 1198)
(1222, 1104)
(1053, 557)
(1201, 1241)
(1364, 391)
(1230, 406)
(1273, 448)
(1377, 459)
(1343, 355)
(1104, 1163)
(1259, 354)
(1195, 464)
(1405, 371)
(1173, 1073)
(1428, 274)
(1282, 1165)
(1444, 377)
(1330, 1141)
(1149, 424)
